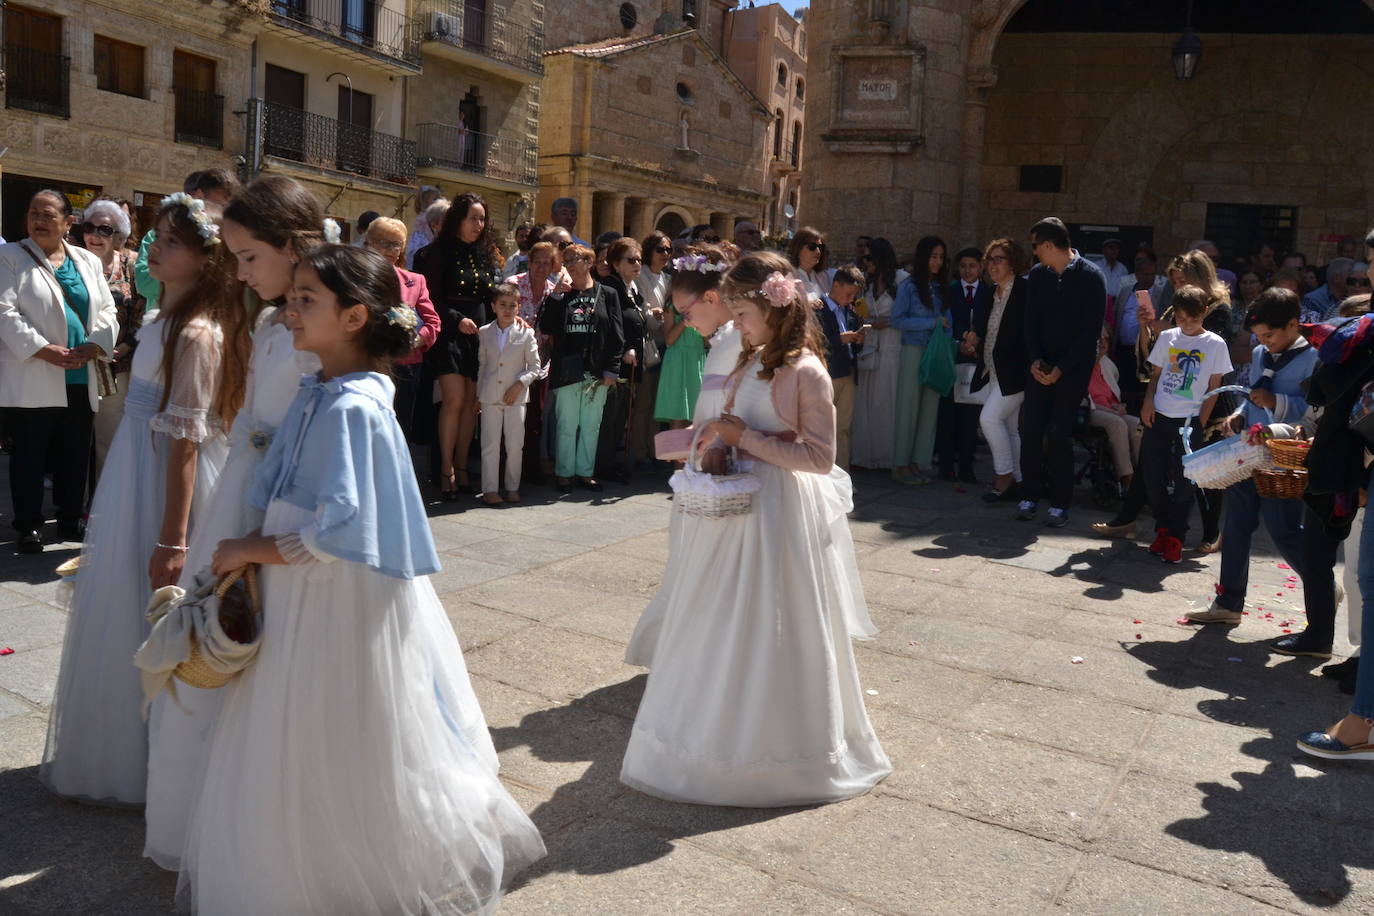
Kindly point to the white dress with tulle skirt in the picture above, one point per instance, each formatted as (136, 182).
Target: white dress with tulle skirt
(753, 697)
(179, 732)
(97, 748)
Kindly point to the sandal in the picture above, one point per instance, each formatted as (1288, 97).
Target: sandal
(448, 490)
(1321, 744)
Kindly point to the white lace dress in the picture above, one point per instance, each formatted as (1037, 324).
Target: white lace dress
(97, 748)
(179, 732)
(720, 362)
(753, 697)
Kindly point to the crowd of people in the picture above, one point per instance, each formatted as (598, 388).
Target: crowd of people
(247, 392)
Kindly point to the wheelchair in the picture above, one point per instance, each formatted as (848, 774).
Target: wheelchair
(1097, 468)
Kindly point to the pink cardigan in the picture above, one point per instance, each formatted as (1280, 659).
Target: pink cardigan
(415, 293)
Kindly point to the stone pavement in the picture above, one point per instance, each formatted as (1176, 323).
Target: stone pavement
(1157, 775)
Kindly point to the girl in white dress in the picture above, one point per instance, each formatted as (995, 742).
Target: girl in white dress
(695, 293)
(875, 400)
(350, 771)
(267, 228)
(186, 382)
(753, 698)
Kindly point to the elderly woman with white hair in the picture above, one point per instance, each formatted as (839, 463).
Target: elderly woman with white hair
(103, 232)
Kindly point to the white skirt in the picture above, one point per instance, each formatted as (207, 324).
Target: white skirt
(179, 731)
(753, 696)
(97, 747)
(351, 770)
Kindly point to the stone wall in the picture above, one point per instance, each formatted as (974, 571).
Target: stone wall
(119, 143)
(1267, 120)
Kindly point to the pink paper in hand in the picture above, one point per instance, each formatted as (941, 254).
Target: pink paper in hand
(673, 444)
(1144, 305)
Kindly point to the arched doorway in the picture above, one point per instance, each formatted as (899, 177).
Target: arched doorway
(671, 222)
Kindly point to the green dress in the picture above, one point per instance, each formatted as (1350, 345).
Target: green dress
(679, 380)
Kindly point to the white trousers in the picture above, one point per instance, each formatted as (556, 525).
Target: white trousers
(1354, 604)
(1001, 423)
(498, 420)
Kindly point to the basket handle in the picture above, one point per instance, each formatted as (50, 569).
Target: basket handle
(1186, 430)
(693, 457)
(249, 574)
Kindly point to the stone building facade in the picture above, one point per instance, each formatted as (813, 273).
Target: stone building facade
(67, 128)
(645, 125)
(360, 102)
(766, 46)
(925, 117)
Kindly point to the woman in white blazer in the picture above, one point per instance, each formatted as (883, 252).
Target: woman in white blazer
(56, 316)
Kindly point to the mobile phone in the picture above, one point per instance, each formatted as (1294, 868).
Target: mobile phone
(1142, 298)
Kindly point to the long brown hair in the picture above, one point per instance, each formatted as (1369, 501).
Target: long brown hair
(795, 329)
(280, 212)
(216, 296)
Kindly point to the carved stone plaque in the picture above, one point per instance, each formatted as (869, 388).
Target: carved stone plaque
(876, 106)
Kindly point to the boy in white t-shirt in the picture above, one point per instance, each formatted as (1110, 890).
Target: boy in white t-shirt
(1186, 363)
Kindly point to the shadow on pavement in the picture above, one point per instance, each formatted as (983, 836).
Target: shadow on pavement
(587, 832)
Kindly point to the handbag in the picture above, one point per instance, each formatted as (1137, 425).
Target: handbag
(697, 492)
(104, 368)
(1362, 415)
(203, 637)
(937, 364)
(963, 382)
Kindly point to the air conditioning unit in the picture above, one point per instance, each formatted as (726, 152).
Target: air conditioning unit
(444, 26)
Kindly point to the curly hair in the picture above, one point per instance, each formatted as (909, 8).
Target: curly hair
(795, 328)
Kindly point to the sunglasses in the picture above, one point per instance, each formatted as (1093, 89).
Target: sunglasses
(386, 246)
(815, 246)
(634, 260)
(103, 231)
(562, 245)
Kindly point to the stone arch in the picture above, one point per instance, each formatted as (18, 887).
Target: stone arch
(672, 220)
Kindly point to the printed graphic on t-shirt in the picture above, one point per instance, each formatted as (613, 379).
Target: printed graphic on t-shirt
(580, 316)
(1182, 370)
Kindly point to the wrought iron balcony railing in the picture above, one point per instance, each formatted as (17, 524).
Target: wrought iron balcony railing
(199, 118)
(451, 147)
(37, 81)
(289, 133)
(363, 23)
(485, 32)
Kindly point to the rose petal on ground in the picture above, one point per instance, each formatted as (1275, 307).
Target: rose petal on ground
(1283, 566)
(1138, 636)
(1183, 620)
(6, 651)
(1137, 621)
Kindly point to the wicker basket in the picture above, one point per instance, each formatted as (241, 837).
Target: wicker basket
(1281, 483)
(195, 672)
(704, 495)
(1289, 453)
(1222, 464)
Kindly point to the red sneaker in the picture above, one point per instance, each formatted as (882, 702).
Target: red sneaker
(1173, 550)
(1161, 535)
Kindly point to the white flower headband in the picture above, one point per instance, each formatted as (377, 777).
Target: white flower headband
(332, 233)
(780, 289)
(205, 223)
(698, 263)
(403, 316)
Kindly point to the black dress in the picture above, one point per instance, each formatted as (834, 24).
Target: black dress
(461, 278)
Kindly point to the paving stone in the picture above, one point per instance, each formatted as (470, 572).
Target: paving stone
(1087, 725)
(461, 573)
(520, 552)
(1110, 887)
(477, 626)
(906, 856)
(32, 673)
(527, 658)
(31, 626)
(783, 898)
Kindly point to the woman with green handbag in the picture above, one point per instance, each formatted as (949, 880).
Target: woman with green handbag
(920, 315)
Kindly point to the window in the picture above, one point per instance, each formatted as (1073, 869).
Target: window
(118, 66)
(796, 144)
(777, 135)
(199, 111)
(37, 73)
(1240, 229)
(782, 75)
(684, 92)
(801, 88)
(1044, 179)
(629, 18)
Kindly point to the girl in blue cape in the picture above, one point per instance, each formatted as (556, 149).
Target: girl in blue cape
(351, 770)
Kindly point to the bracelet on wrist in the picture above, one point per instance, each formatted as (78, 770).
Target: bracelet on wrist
(180, 547)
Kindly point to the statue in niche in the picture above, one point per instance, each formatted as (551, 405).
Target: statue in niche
(685, 125)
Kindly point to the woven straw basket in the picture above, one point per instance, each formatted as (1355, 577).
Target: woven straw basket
(195, 671)
(1289, 453)
(1281, 483)
(698, 493)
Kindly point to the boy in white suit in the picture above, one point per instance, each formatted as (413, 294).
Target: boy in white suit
(508, 361)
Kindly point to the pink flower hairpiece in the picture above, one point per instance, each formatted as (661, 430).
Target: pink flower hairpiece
(780, 289)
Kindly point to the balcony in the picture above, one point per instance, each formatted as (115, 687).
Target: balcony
(503, 160)
(363, 29)
(199, 118)
(326, 144)
(786, 158)
(484, 40)
(37, 81)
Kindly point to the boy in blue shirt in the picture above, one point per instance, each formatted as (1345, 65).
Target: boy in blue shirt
(1278, 376)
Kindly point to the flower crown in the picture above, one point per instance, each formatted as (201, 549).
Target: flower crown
(403, 316)
(205, 223)
(698, 263)
(332, 233)
(780, 289)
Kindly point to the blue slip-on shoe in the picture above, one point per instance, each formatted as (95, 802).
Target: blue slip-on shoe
(1058, 518)
(1320, 744)
(1026, 510)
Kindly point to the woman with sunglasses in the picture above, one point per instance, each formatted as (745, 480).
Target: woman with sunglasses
(808, 255)
(639, 364)
(103, 233)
